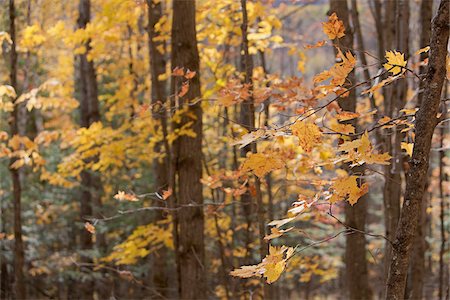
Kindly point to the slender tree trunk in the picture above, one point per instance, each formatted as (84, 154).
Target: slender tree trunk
(248, 121)
(160, 167)
(443, 177)
(426, 122)
(396, 37)
(417, 270)
(90, 203)
(19, 255)
(189, 159)
(355, 250)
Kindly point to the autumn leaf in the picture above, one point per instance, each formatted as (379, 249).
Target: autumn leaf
(422, 50)
(347, 115)
(190, 74)
(361, 151)
(308, 134)
(316, 45)
(184, 89)
(167, 194)
(271, 267)
(89, 227)
(408, 147)
(122, 196)
(275, 233)
(395, 62)
(177, 71)
(334, 28)
(262, 163)
(347, 188)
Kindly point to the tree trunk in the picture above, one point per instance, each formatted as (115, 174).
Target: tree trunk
(19, 255)
(189, 155)
(90, 203)
(417, 270)
(160, 167)
(426, 122)
(443, 177)
(355, 216)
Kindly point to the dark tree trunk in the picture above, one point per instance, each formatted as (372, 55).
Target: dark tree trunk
(355, 216)
(189, 155)
(19, 255)
(160, 167)
(248, 121)
(90, 203)
(443, 177)
(417, 270)
(426, 122)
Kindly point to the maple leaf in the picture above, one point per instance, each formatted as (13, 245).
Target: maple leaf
(364, 152)
(122, 196)
(262, 163)
(422, 50)
(408, 147)
(89, 227)
(275, 233)
(395, 62)
(308, 134)
(271, 267)
(347, 115)
(334, 28)
(343, 128)
(184, 89)
(167, 194)
(249, 138)
(347, 188)
(177, 71)
(316, 45)
(190, 74)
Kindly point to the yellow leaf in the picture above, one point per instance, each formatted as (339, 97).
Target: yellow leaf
(408, 147)
(122, 196)
(346, 115)
(423, 50)
(308, 134)
(347, 188)
(275, 233)
(395, 62)
(334, 28)
(360, 151)
(262, 163)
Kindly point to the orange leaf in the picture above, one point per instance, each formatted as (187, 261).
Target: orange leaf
(184, 89)
(89, 227)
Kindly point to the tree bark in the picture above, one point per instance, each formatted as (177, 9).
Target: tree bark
(443, 177)
(426, 122)
(90, 202)
(417, 270)
(160, 167)
(355, 216)
(19, 255)
(189, 155)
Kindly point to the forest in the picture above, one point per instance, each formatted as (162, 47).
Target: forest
(224, 149)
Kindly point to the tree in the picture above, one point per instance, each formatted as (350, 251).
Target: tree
(19, 255)
(426, 122)
(188, 157)
(158, 100)
(355, 215)
(90, 201)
